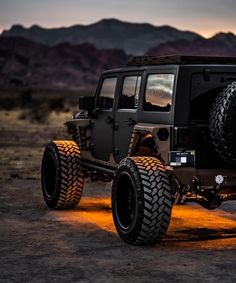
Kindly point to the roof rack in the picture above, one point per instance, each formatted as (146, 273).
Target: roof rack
(179, 59)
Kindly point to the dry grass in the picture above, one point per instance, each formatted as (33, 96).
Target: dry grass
(11, 118)
(22, 143)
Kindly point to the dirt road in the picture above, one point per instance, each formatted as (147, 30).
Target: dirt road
(41, 245)
(81, 245)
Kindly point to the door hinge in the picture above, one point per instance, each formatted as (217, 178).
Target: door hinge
(115, 126)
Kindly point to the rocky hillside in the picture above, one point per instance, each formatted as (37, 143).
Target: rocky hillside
(133, 38)
(26, 63)
(65, 66)
(222, 44)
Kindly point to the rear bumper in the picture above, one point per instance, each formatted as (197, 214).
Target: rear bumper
(206, 176)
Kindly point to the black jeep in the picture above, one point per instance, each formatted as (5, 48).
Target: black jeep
(163, 129)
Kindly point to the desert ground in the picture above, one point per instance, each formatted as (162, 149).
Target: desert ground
(81, 245)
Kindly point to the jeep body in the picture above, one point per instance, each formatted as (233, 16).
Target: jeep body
(178, 128)
(160, 109)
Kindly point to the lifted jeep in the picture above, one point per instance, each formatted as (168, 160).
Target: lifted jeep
(163, 129)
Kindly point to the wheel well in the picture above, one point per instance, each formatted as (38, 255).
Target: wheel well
(145, 145)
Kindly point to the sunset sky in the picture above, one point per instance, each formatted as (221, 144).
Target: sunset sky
(206, 17)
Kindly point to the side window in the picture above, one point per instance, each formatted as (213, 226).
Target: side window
(130, 91)
(107, 92)
(158, 94)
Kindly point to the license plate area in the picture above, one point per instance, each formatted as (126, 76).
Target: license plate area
(182, 158)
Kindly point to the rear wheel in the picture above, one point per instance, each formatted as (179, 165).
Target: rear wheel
(62, 175)
(141, 200)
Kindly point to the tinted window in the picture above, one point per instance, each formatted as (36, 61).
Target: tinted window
(107, 92)
(159, 92)
(130, 92)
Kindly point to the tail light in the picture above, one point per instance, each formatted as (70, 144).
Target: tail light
(181, 137)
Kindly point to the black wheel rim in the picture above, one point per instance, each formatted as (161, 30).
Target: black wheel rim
(125, 202)
(49, 175)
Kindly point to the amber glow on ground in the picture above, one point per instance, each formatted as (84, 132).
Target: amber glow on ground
(95, 211)
(191, 226)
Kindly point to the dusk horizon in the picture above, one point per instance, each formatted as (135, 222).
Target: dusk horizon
(204, 18)
(115, 19)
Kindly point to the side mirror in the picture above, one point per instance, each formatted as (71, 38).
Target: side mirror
(87, 103)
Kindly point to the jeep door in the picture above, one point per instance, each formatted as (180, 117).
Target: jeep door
(102, 123)
(126, 113)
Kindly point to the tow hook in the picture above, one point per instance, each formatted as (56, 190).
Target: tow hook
(210, 201)
(207, 199)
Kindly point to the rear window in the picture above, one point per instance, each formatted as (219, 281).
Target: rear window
(159, 91)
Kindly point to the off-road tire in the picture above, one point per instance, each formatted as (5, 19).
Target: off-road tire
(62, 175)
(222, 124)
(141, 200)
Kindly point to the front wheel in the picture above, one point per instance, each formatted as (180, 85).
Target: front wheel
(141, 200)
(62, 175)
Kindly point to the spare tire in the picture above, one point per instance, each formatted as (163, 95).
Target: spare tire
(222, 124)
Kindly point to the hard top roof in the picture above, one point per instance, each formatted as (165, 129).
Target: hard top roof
(138, 63)
(179, 59)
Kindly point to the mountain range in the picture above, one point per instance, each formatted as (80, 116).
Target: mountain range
(133, 38)
(74, 57)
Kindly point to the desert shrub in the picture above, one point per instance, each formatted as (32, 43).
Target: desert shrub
(57, 104)
(26, 98)
(36, 113)
(40, 114)
(7, 103)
